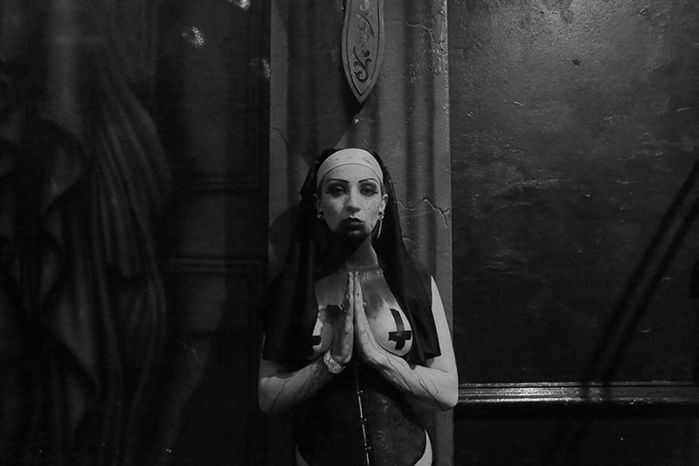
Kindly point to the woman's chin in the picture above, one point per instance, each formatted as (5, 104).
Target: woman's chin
(353, 235)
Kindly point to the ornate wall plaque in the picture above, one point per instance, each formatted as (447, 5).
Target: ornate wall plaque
(362, 45)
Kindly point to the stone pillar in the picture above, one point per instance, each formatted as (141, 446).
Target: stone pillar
(405, 119)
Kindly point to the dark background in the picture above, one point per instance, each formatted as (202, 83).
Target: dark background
(211, 102)
(573, 144)
(573, 128)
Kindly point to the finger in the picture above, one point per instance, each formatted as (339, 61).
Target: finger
(361, 319)
(359, 305)
(346, 318)
(356, 303)
(349, 299)
(361, 323)
(358, 295)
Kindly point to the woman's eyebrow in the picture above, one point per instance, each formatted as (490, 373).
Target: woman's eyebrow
(369, 179)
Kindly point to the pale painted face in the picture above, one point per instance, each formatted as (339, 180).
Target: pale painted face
(351, 199)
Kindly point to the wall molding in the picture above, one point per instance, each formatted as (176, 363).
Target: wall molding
(577, 393)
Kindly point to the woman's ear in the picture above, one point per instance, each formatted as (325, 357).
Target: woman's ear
(384, 201)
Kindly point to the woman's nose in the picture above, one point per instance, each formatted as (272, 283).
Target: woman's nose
(352, 204)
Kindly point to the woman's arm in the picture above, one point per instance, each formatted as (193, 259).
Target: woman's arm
(279, 390)
(436, 381)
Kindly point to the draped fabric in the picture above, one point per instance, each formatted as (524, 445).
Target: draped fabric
(82, 310)
(290, 309)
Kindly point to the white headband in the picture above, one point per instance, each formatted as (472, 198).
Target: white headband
(349, 157)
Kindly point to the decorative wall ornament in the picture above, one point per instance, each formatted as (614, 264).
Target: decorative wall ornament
(362, 45)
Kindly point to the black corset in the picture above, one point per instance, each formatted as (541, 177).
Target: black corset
(357, 419)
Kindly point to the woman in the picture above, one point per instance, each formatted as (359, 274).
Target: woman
(352, 326)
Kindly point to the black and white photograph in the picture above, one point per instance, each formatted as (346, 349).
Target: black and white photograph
(349, 232)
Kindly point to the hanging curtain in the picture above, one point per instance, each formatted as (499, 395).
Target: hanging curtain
(82, 177)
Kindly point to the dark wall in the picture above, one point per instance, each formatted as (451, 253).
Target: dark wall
(574, 136)
(574, 126)
(211, 98)
(575, 436)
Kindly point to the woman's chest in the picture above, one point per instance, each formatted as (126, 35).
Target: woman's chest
(387, 321)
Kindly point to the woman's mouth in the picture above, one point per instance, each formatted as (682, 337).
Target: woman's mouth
(352, 224)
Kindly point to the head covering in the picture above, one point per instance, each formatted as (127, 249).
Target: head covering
(349, 157)
(290, 309)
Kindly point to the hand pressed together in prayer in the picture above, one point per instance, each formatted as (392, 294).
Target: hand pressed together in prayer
(343, 326)
(351, 326)
(368, 348)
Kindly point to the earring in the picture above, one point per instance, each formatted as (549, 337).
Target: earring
(381, 214)
(319, 214)
(380, 223)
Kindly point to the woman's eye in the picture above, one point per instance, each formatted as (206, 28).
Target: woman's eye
(369, 190)
(335, 190)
